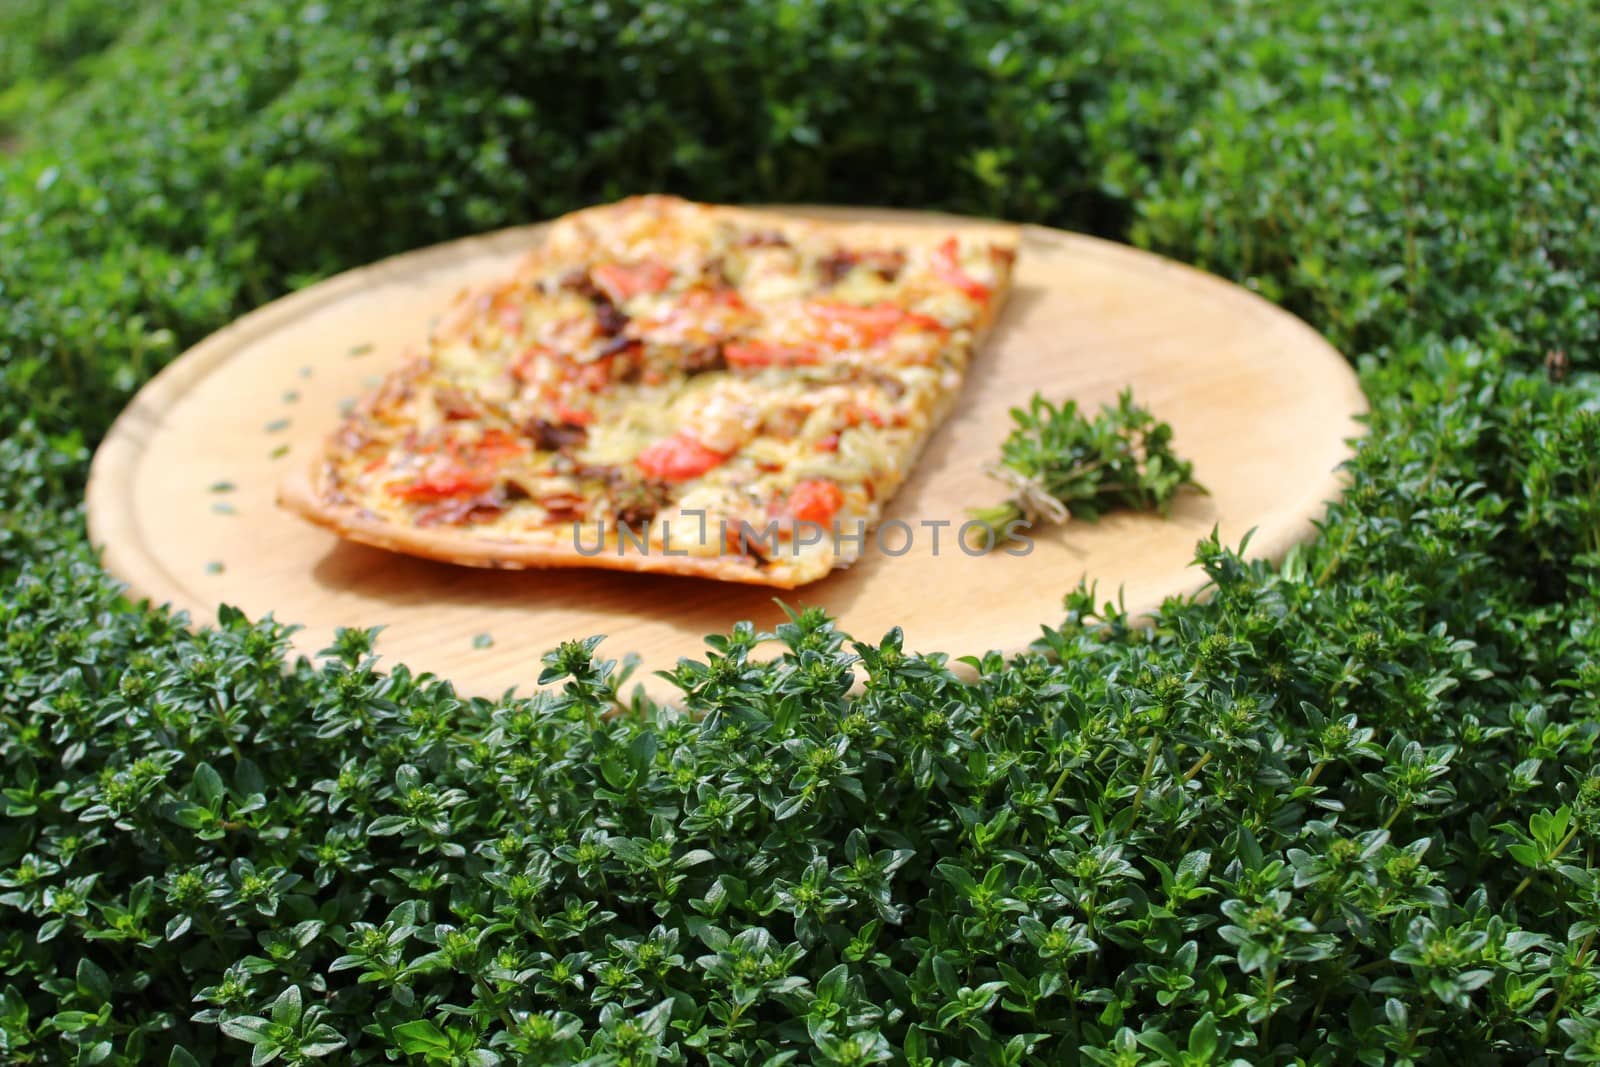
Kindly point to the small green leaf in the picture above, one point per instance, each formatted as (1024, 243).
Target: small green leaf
(287, 1008)
(208, 784)
(93, 981)
(251, 1029)
(420, 1037)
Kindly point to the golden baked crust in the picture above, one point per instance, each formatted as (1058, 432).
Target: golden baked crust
(669, 387)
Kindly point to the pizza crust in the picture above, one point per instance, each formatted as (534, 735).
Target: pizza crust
(299, 493)
(306, 492)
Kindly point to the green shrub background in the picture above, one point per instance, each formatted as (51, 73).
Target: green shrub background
(1343, 811)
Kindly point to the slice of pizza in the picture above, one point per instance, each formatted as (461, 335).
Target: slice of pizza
(673, 387)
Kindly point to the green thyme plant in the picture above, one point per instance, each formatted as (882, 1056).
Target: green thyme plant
(1342, 810)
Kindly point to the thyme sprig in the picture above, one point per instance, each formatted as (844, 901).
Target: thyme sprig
(1062, 464)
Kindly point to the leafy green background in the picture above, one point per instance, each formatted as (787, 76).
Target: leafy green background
(1343, 811)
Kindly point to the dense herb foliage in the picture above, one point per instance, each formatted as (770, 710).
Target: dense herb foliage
(44, 46)
(1343, 810)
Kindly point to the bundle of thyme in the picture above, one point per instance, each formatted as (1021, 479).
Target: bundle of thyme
(1063, 464)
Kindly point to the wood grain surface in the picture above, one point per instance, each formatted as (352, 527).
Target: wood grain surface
(1258, 400)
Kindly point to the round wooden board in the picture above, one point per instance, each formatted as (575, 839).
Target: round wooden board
(1260, 402)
